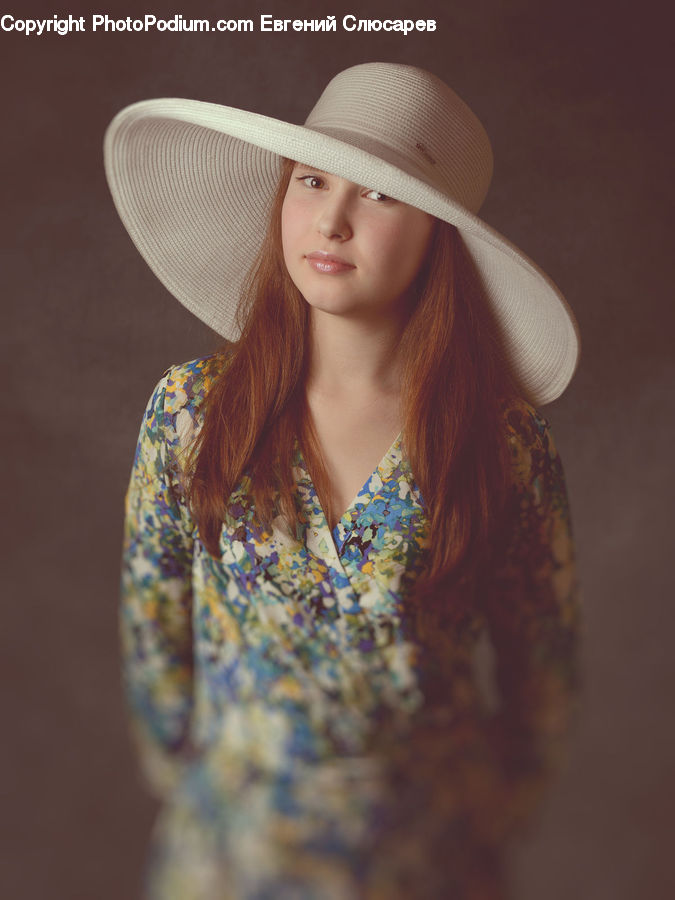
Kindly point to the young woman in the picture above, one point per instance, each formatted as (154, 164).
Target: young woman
(349, 612)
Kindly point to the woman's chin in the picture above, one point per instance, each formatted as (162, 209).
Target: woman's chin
(335, 306)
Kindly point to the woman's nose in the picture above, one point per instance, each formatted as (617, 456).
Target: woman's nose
(334, 220)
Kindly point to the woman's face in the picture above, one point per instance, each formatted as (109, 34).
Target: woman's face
(349, 250)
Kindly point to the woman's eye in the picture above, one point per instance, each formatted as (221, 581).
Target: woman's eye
(312, 181)
(376, 195)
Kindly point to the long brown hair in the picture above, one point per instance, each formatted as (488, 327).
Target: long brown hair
(454, 383)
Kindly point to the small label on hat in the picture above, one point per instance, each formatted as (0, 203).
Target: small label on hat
(425, 153)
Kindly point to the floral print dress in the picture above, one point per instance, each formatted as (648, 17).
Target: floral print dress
(307, 736)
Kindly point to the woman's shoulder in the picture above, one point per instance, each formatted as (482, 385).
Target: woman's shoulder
(187, 384)
(524, 422)
(175, 410)
(531, 445)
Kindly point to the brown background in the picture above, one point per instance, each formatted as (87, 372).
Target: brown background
(574, 97)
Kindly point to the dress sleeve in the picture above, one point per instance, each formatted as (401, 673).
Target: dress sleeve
(156, 601)
(533, 615)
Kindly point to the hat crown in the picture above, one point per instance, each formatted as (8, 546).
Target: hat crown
(412, 119)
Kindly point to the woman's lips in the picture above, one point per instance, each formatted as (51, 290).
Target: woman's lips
(327, 263)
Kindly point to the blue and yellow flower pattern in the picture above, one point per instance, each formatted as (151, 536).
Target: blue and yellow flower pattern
(306, 738)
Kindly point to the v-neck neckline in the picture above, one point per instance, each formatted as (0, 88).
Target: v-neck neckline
(388, 461)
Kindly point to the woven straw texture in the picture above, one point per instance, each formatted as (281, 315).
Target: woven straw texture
(192, 182)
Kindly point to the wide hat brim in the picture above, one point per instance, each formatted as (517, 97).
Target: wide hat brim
(193, 182)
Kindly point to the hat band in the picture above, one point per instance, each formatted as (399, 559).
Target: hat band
(419, 164)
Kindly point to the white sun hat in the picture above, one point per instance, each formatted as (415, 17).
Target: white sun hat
(193, 184)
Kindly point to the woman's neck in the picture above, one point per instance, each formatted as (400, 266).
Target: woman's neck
(350, 356)
(353, 397)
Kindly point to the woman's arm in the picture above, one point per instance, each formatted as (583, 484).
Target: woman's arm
(156, 600)
(532, 608)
